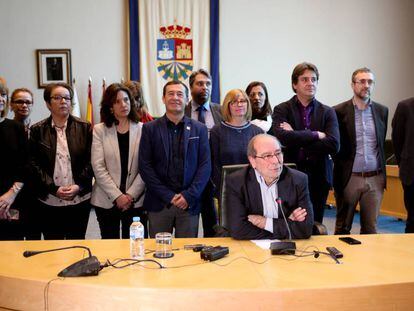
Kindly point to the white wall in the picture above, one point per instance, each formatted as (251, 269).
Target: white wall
(260, 40)
(94, 30)
(265, 39)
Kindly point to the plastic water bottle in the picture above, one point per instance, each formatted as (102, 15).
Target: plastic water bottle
(136, 239)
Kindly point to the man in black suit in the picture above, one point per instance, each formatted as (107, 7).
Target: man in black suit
(267, 200)
(309, 132)
(202, 109)
(174, 162)
(359, 170)
(403, 141)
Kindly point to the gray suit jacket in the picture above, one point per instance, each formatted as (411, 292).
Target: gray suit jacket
(344, 159)
(106, 164)
(215, 111)
(403, 139)
(244, 198)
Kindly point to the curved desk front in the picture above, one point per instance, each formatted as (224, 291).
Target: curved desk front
(376, 275)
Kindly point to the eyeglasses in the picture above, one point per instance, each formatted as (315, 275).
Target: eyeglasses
(22, 101)
(59, 98)
(268, 157)
(237, 102)
(365, 81)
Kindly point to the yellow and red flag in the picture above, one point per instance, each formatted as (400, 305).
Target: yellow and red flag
(89, 106)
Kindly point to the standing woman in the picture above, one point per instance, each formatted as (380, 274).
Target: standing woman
(261, 109)
(60, 159)
(118, 192)
(139, 100)
(230, 138)
(12, 162)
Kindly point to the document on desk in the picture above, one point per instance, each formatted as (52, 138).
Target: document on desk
(264, 244)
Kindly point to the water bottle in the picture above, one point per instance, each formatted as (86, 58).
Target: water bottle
(136, 239)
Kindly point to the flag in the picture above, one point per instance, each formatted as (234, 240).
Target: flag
(169, 39)
(89, 106)
(75, 101)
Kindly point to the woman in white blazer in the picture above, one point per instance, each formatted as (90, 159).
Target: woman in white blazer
(118, 192)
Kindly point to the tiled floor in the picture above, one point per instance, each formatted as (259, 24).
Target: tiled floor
(386, 224)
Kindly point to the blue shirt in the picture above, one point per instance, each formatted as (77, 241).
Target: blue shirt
(367, 155)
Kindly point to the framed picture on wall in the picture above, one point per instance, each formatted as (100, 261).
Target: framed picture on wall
(53, 65)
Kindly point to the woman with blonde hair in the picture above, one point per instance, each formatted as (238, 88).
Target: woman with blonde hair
(229, 139)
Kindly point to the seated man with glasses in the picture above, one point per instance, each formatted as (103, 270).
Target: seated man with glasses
(60, 157)
(267, 200)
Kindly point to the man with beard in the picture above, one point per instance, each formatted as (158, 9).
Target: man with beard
(309, 132)
(200, 108)
(267, 200)
(359, 170)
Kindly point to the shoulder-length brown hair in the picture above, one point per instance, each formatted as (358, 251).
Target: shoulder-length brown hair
(108, 101)
(230, 97)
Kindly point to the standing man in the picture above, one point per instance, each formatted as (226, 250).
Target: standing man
(200, 108)
(309, 132)
(174, 162)
(403, 141)
(60, 156)
(359, 170)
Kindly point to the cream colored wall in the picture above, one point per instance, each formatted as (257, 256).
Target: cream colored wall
(260, 40)
(94, 30)
(265, 39)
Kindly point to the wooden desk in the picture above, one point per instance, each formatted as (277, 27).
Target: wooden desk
(393, 200)
(377, 275)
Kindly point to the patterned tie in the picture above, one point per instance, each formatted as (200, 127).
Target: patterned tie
(202, 114)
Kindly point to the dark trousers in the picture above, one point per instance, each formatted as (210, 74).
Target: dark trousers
(208, 212)
(30, 217)
(65, 222)
(110, 220)
(167, 219)
(318, 188)
(409, 206)
(10, 230)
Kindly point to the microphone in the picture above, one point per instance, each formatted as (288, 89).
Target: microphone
(283, 248)
(32, 253)
(279, 203)
(85, 267)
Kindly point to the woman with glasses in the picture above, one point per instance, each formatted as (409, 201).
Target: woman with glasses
(230, 138)
(21, 103)
(118, 192)
(12, 161)
(138, 96)
(60, 157)
(261, 109)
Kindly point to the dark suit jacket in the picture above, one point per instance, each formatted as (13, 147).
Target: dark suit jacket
(317, 151)
(403, 139)
(344, 160)
(244, 198)
(153, 161)
(215, 111)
